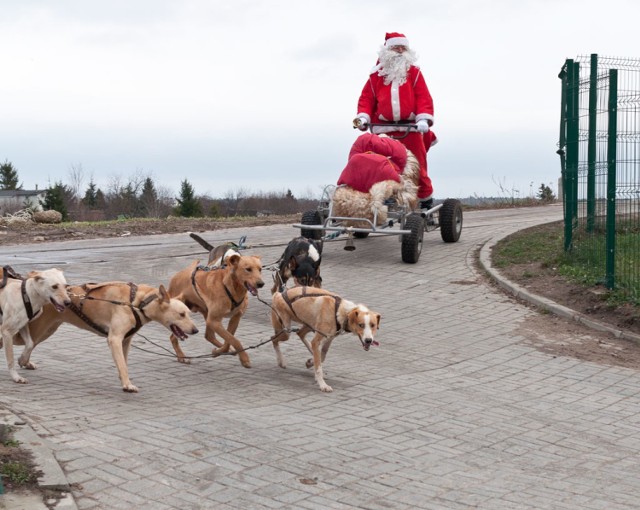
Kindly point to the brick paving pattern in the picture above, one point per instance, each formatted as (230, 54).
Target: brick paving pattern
(451, 411)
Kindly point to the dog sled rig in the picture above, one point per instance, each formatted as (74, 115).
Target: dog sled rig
(343, 210)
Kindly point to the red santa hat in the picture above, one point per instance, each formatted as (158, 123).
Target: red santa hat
(395, 39)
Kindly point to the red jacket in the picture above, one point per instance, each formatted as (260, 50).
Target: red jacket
(391, 103)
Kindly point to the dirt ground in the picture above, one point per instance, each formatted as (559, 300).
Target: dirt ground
(29, 232)
(563, 337)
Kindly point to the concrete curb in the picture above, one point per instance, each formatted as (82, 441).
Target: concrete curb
(544, 303)
(52, 478)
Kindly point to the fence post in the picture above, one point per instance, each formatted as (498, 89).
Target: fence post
(591, 144)
(610, 243)
(571, 166)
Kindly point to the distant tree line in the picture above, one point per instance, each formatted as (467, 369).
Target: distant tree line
(140, 197)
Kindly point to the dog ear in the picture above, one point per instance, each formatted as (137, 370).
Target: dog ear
(353, 319)
(378, 317)
(164, 295)
(233, 260)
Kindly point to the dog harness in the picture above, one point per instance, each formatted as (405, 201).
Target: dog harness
(26, 300)
(132, 296)
(8, 272)
(234, 304)
(337, 301)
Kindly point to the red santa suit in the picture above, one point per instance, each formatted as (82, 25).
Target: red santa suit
(411, 102)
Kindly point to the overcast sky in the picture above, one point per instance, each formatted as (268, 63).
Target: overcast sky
(259, 96)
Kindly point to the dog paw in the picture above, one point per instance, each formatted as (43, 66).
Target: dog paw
(184, 360)
(246, 364)
(29, 365)
(326, 388)
(20, 380)
(130, 388)
(309, 363)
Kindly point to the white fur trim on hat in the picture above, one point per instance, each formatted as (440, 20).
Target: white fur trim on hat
(397, 41)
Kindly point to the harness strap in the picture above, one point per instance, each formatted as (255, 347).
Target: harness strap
(193, 281)
(26, 300)
(337, 301)
(132, 297)
(8, 272)
(78, 311)
(234, 304)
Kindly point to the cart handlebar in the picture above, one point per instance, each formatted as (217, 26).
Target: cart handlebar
(403, 127)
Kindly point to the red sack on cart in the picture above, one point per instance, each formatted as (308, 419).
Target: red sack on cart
(373, 159)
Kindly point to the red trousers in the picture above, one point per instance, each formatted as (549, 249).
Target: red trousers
(419, 144)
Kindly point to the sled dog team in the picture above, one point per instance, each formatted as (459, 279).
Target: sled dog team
(34, 305)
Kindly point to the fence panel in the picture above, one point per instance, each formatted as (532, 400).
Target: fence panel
(600, 137)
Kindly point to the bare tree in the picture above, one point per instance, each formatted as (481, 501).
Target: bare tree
(234, 199)
(76, 180)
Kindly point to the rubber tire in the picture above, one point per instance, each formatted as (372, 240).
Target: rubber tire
(311, 218)
(450, 220)
(412, 243)
(361, 235)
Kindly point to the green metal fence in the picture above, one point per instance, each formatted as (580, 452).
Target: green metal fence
(600, 158)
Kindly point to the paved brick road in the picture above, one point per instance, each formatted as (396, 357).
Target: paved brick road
(451, 411)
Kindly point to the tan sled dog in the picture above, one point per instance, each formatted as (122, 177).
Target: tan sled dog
(21, 299)
(219, 293)
(327, 315)
(116, 310)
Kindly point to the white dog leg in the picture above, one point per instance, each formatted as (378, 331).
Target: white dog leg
(7, 336)
(317, 361)
(23, 360)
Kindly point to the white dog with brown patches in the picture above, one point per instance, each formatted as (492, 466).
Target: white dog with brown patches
(327, 315)
(21, 300)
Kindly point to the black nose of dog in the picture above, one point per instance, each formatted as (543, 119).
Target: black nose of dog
(368, 341)
(260, 284)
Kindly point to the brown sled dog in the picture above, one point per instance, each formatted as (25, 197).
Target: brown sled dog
(327, 315)
(116, 310)
(217, 293)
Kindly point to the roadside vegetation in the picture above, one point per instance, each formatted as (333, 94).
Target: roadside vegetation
(17, 469)
(542, 249)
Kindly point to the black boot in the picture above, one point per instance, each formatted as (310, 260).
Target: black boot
(426, 203)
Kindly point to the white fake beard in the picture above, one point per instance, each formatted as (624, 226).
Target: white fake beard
(395, 65)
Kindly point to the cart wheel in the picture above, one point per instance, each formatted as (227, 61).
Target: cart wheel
(412, 243)
(311, 218)
(361, 235)
(450, 220)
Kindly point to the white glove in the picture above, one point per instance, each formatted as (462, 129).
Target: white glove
(361, 123)
(422, 126)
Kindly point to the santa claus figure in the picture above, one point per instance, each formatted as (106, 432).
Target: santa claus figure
(397, 93)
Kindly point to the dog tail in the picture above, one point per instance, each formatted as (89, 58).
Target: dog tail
(201, 241)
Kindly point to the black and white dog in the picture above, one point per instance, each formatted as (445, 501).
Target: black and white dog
(300, 261)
